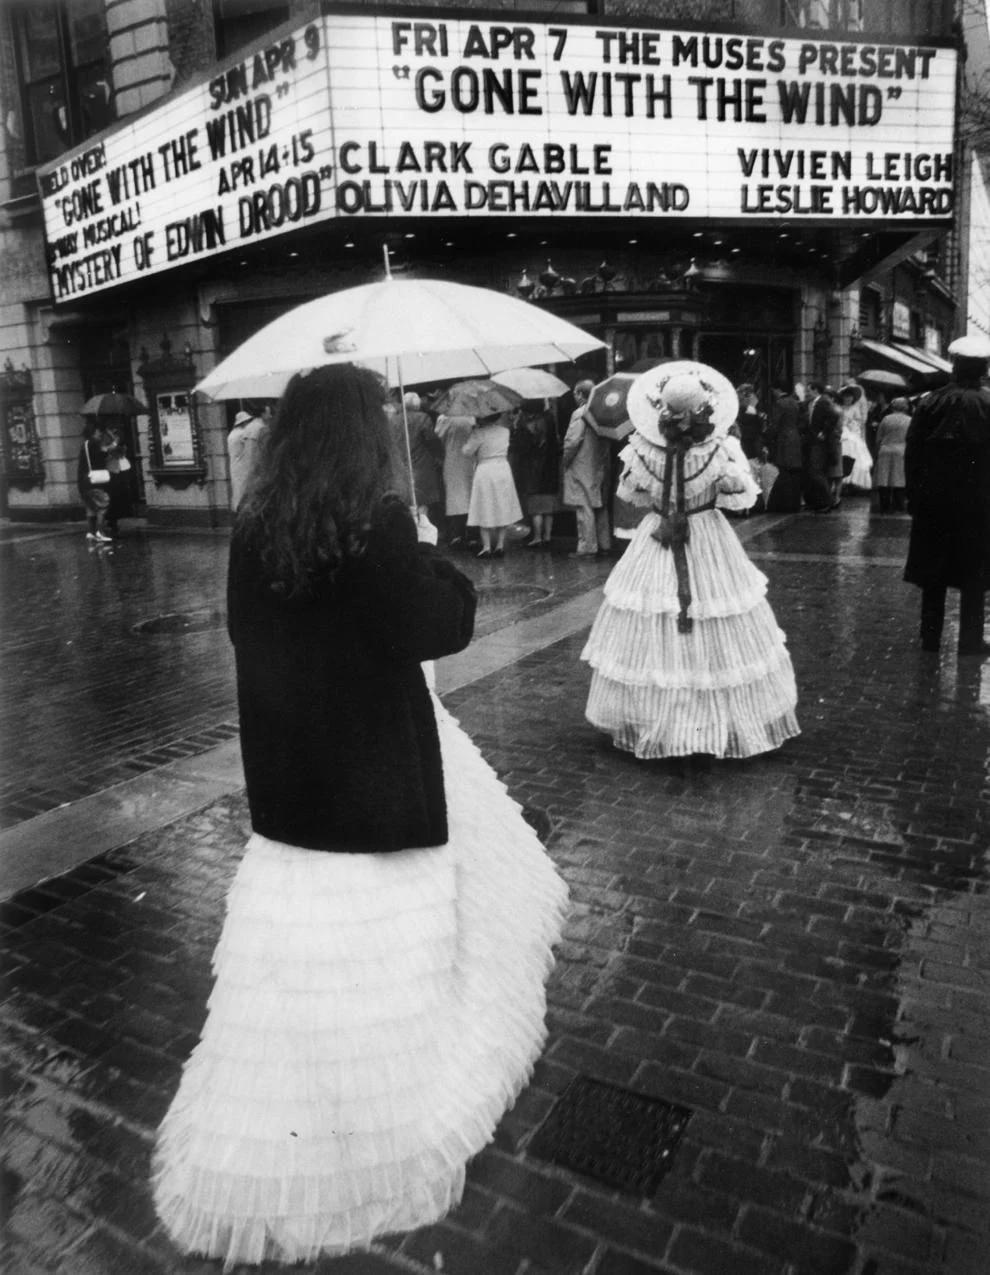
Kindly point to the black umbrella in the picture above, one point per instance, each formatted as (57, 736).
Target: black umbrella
(113, 403)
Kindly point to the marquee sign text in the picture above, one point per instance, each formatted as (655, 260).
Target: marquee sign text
(352, 116)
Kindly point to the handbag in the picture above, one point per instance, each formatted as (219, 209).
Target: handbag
(124, 464)
(96, 476)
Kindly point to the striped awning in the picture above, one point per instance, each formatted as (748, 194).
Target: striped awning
(927, 356)
(907, 357)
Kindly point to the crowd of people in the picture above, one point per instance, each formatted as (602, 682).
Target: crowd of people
(816, 444)
(486, 481)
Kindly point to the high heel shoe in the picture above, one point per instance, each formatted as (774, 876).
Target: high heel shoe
(483, 553)
(498, 553)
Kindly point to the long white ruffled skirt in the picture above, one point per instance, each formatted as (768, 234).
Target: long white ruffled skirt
(854, 446)
(373, 1017)
(726, 688)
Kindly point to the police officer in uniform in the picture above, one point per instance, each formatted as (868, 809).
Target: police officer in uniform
(947, 475)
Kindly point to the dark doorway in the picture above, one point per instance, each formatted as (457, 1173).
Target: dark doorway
(105, 365)
(762, 359)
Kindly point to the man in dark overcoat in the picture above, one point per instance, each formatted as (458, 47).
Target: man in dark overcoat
(947, 479)
(783, 439)
(822, 437)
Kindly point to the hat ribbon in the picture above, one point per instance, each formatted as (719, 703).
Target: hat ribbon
(673, 532)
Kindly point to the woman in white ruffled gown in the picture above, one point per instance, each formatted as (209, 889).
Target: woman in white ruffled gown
(379, 994)
(686, 655)
(857, 463)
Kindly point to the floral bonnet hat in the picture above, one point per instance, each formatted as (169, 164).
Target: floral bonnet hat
(680, 401)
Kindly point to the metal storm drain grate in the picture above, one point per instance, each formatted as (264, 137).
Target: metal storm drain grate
(623, 1139)
(182, 622)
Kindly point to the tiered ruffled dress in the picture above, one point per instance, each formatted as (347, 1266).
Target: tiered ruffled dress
(373, 1017)
(854, 446)
(710, 676)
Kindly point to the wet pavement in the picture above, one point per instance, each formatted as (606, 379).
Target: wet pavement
(116, 660)
(795, 949)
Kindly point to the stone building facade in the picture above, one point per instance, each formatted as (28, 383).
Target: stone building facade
(783, 281)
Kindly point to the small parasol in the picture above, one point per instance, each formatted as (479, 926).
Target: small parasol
(532, 382)
(881, 379)
(605, 410)
(479, 397)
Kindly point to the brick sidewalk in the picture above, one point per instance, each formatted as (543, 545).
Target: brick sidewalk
(793, 948)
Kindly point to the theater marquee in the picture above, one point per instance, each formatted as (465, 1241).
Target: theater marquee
(358, 115)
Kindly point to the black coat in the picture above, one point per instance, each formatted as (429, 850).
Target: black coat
(947, 476)
(426, 453)
(536, 452)
(823, 438)
(784, 434)
(752, 426)
(338, 736)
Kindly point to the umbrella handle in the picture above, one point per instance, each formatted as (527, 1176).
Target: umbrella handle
(405, 431)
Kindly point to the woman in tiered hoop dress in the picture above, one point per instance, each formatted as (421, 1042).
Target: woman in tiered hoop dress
(687, 657)
(379, 996)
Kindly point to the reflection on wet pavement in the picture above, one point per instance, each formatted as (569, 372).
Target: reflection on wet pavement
(84, 700)
(118, 662)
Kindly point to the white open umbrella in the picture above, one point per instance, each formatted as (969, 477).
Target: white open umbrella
(532, 382)
(413, 331)
(878, 377)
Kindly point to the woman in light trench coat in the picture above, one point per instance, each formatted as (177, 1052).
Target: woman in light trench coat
(458, 471)
(585, 486)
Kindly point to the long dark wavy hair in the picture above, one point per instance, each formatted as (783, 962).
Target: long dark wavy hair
(327, 462)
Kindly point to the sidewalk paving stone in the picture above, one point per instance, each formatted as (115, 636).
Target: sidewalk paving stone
(794, 947)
